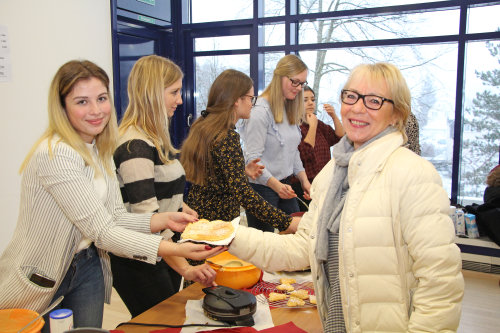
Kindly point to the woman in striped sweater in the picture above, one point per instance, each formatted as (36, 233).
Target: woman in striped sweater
(71, 209)
(152, 180)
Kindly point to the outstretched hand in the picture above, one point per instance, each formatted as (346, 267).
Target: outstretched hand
(253, 169)
(203, 274)
(198, 251)
(175, 221)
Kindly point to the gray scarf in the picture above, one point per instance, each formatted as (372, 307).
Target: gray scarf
(329, 217)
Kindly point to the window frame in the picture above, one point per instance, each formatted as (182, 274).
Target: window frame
(291, 19)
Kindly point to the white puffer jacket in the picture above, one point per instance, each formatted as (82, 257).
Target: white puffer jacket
(400, 270)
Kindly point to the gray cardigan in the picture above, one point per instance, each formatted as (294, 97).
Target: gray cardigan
(59, 207)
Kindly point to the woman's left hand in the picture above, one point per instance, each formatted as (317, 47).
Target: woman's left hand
(203, 274)
(175, 221)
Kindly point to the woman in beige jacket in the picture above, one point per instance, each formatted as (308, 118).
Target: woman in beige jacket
(377, 235)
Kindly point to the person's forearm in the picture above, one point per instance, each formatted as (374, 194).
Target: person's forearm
(179, 264)
(311, 136)
(167, 249)
(156, 223)
(339, 129)
(302, 176)
(274, 184)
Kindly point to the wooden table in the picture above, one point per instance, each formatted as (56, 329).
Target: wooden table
(171, 312)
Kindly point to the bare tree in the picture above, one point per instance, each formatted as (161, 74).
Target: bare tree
(482, 120)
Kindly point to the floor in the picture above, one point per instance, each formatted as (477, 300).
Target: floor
(480, 309)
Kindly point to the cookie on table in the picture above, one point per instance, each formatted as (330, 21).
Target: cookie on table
(273, 297)
(287, 281)
(294, 301)
(300, 293)
(285, 287)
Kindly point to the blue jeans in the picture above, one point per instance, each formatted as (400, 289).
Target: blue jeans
(83, 290)
(289, 206)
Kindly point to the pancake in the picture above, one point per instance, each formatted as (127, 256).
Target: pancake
(204, 230)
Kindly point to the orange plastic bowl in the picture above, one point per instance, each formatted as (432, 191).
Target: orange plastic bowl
(239, 277)
(12, 320)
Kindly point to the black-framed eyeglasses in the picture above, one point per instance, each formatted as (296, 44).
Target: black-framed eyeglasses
(372, 102)
(296, 83)
(253, 99)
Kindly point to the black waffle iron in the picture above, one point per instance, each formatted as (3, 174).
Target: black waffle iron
(235, 307)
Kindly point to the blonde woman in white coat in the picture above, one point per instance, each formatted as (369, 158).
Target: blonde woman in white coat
(71, 208)
(377, 235)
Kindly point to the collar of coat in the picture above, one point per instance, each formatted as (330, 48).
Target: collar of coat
(372, 158)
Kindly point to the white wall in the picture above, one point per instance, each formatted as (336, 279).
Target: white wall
(42, 36)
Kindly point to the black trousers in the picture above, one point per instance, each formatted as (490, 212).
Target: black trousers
(142, 285)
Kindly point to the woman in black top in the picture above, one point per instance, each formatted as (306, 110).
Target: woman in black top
(213, 158)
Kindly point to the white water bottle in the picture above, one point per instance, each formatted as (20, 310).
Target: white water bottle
(61, 320)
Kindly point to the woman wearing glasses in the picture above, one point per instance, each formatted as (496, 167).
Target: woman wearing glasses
(272, 134)
(377, 236)
(213, 159)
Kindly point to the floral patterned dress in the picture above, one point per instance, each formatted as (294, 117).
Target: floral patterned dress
(228, 188)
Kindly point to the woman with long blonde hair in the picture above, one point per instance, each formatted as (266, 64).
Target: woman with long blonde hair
(71, 210)
(272, 134)
(213, 159)
(152, 180)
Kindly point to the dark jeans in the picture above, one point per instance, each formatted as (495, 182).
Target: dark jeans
(83, 290)
(289, 206)
(142, 285)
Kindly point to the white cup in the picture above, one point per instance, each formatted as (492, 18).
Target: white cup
(61, 320)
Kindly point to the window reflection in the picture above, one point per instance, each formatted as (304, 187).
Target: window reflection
(314, 6)
(273, 8)
(380, 27)
(430, 71)
(274, 34)
(481, 134)
(207, 70)
(222, 43)
(484, 19)
(220, 10)
(270, 61)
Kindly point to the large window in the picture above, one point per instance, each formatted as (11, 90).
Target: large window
(448, 51)
(209, 67)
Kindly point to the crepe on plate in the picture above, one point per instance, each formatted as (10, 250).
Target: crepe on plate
(204, 230)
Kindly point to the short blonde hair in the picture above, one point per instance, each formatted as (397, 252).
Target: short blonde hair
(398, 89)
(146, 110)
(287, 66)
(62, 84)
